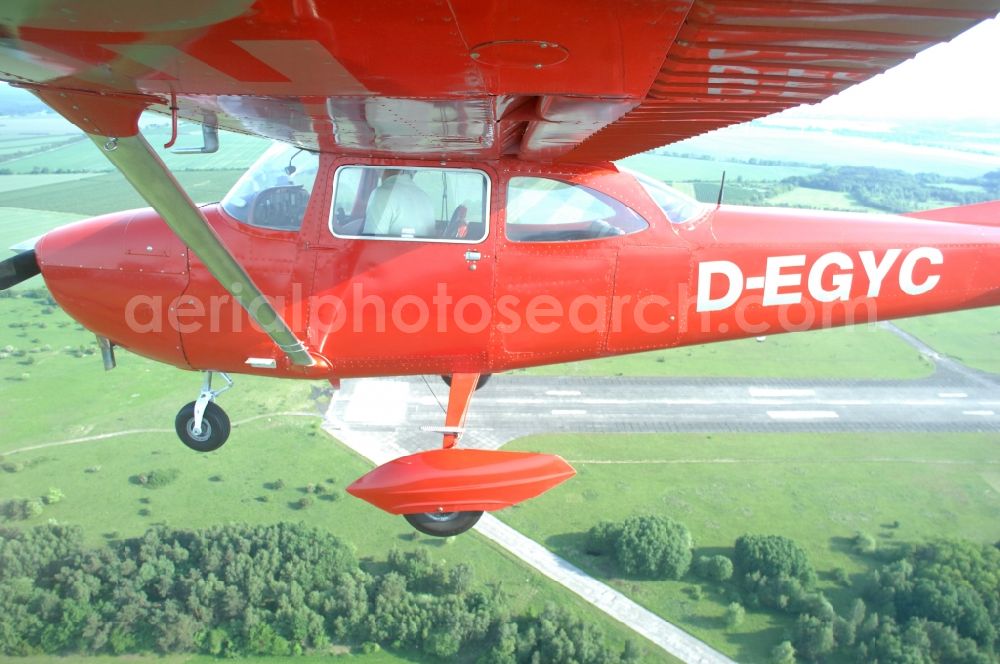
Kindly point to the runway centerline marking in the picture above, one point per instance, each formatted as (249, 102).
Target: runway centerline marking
(802, 414)
(781, 392)
(982, 413)
(952, 395)
(563, 393)
(568, 411)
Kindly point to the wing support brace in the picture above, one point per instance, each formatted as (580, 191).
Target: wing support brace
(141, 166)
(111, 121)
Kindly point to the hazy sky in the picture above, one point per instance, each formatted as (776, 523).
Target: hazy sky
(957, 79)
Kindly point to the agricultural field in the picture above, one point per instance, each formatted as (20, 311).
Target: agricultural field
(765, 141)
(61, 154)
(99, 194)
(21, 224)
(820, 490)
(817, 198)
(686, 169)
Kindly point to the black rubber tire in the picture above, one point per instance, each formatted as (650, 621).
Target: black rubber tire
(483, 379)
(445, 524)
(214, 428)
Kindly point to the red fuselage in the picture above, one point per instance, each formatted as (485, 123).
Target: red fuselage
(375, 306)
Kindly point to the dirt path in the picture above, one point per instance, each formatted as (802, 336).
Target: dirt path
(135, 432)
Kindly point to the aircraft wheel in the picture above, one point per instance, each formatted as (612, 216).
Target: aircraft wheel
(214, 428)
(483, 379)
(443, 524)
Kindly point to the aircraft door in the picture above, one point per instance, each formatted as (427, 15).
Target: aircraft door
(404, 280)
(259, 221)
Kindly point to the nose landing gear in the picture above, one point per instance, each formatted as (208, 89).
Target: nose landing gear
(202, 425)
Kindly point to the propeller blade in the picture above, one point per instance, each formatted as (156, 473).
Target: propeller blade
(15, 270)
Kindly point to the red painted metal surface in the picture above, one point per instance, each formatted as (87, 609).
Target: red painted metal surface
(438, 79)
(463, 386)
(731, 272)
(986, 214)
(460, 480)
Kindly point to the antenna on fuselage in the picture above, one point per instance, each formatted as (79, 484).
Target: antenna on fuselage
(722, 186)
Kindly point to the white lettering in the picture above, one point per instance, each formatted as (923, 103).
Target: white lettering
(727, 269)
(841, 281)
(876, 271)
(782, 284)
(775, 280)
(931, 255)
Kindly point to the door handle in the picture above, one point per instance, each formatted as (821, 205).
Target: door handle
(471, 257)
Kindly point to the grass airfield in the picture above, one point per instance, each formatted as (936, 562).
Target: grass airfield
(276, 437)
(818, 490)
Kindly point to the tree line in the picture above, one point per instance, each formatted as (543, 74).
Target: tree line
(899, 191)
(277, 589)
(935, 601)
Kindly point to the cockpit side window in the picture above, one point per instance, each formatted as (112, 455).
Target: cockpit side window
(546, 210)
(410, 204)
(275, 191)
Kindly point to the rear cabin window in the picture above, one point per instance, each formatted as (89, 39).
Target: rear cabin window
(676, 207)
(410, 204)
(546, 210)
(275, 191)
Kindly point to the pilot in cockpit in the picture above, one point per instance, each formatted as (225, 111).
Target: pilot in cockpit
(399, 208)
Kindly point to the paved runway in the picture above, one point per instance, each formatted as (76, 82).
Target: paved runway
(517, 405)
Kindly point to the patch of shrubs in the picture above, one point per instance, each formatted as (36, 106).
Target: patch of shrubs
(649, 546)
(156, 479)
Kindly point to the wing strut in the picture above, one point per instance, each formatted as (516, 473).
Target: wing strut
(133, 156)
(111, 121)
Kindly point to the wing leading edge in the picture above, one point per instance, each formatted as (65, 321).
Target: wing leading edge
(581, 80)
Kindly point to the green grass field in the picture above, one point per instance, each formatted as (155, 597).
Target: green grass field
(15, 182)
(972, 337)
(816, 489)
(99, 194)
(20, 224)
(817, 198)
(15, 143)
(685, 169)
(861, 352)
(65, 398)
(236, 152)
(762, 141)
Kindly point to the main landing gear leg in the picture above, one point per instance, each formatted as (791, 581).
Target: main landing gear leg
(202, 425)
(463, 386)
(446, 524)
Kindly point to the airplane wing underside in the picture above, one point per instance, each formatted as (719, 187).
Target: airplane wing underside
(576, 80)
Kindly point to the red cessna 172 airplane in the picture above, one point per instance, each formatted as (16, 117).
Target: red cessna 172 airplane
(441, 199)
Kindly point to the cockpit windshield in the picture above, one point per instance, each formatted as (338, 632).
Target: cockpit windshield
(275, 191)
(677, 207)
